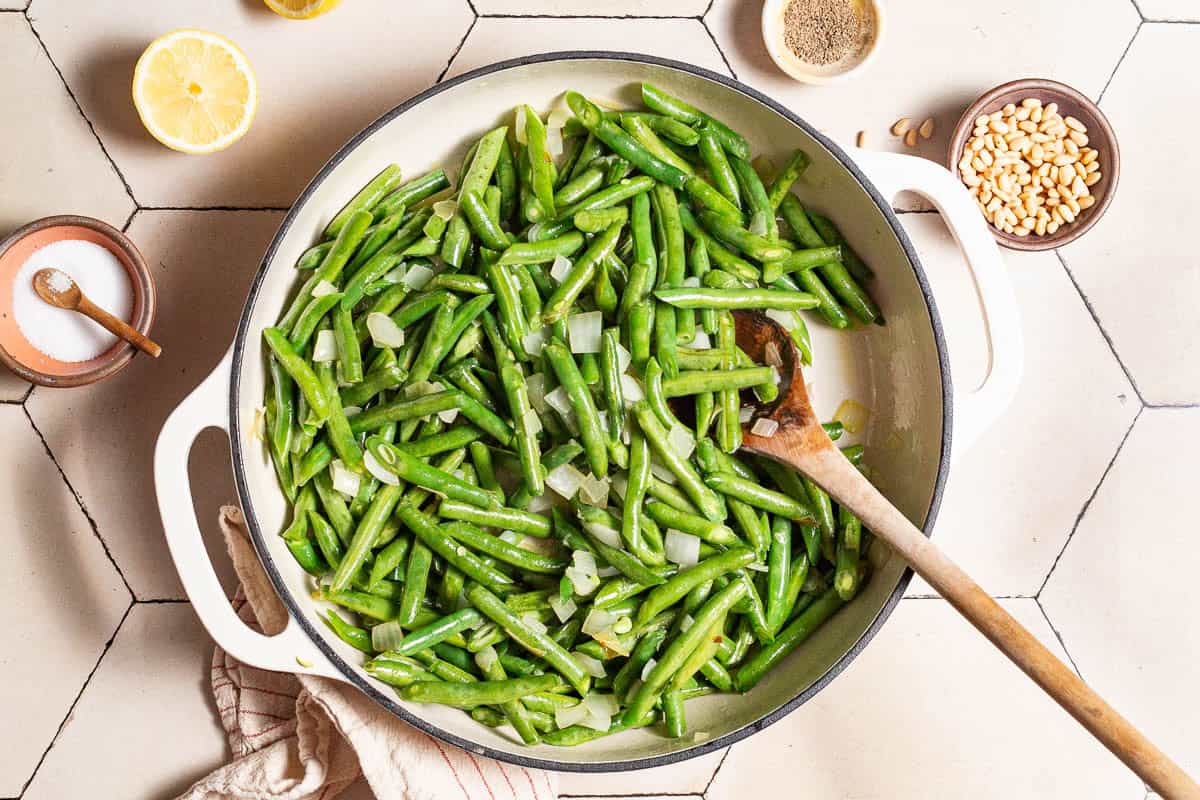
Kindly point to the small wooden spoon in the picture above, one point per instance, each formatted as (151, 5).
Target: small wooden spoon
(59, 289)
(801, 443)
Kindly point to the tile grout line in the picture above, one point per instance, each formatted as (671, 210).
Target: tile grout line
(717, 771)
(71, 709)
(458, 49)
(79, 501)
(112, 163)
(1057, 635)
(1169, 21)
(625, 795)
(214, 208)
(1138, 9)
(716, 44)
(1112, 347)
(1087, 503)
(1120, 61)
(594, 16)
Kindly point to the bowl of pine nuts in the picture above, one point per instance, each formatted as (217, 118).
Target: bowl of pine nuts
(1040, 159)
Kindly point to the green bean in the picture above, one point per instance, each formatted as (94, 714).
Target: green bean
(503, 551)
(673, 714)
(792, 169)
(373, 241)
(310, 317)
(788, 640)
(676, 588)
(509, 519)
(299, 371)
(580, 275)
(416, 579)
(718, 165)
(375, 381)
(697, 381)
(715, 533)
(722, 256)
(679, 650)
(846, 575)
(366, 199)
(673, 107)
(356, 637)
(610, 374)
(432, 536)
(733, 234)
(536, 642)
(761, 497)
(641, 132)
(415, 471)
(840, 279)
(437, 631)
(540, 163)
(579, 186)
(313, 256)
(807, 259)
(580, 734)
(757, 201)
(706, 500)
(506, 181)
(456, 437)
(623, 144)
(829, 233)
(388, 559)
(413, 192)
(730, 299)
(542, 251)
(485, 228)
(330, 269)
(479, 693)
(595, 221)
(586, 415)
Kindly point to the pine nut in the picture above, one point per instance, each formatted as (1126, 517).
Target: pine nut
(998, 126)
(1089, 155)
(1092, 179)
(1040, 227)
(1052, 228)
(861, 139)
(900, 127)
(1031, 102)
(982, 120)
(1051, 109)
(910, 138)
(926, 129)
(1067, 214)
(1087, 202)
(1075, 124)
(1078, 138)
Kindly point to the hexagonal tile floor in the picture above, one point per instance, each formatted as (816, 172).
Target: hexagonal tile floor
(1072, 505)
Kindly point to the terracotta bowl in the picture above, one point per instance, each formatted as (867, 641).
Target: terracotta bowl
(1070, 102)
(17, 353)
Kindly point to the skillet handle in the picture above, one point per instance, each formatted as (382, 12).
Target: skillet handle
(208, 407)
(978, 409)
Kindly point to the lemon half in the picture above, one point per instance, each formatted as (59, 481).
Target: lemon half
(301, 9)
(195, 91)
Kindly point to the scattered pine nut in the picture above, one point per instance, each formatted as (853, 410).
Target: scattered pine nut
(910, 138)
(1028, 168)
(900, 126)
(861, 139)
(926, 129)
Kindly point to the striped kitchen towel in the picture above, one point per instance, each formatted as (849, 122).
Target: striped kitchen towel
(307, 738)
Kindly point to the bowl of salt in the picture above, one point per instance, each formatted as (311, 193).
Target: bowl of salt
(52, 346)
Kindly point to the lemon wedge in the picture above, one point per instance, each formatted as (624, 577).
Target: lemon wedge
(195, 91)
(301, 9)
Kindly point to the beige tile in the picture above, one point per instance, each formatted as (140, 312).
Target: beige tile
(103, 435)
(12, 388)
(1169, 10)
(13, 5)
(62, 599)
(496, 39)
(936, 58)
(1134, 245)
(602, 8)
(686, 777)
(930, 709)
(1124, 594)
(638, 797)
(1005, 516)
(320, 81)
(53, 163)
(145, 726)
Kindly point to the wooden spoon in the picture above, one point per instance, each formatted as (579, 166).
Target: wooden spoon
(59, 289)
(801, 443)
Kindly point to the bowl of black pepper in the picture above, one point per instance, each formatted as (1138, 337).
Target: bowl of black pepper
(822, 41)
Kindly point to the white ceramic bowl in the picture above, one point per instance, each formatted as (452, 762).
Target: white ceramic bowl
(899, 371)
(871, 14)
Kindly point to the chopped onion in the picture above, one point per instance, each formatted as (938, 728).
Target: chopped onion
(701, 341)
(535, 384)
(487, 658)
(534, 544)
(608, 572)
(384, 330)
(584, 331)
(325, 349)
(583, 583)
(344, 480)
(387, 636)
(602, 704)
(417, 276)
(662, 473)
(758, 223)
(395, 274)
(682, 548)
(378, 470)
(776, 377)
(512, 537)
(519, 126)
(584, 560)
(745, 414)
(648, 668)
(764, 167)
(534, 341)
(610, 536)
(619, 483)
(324, 288)
(692, 281)
(765, 427)
(682, 441)
(571, 715)
(631, 390)
(541, 503)
(559, 401)
(445, 209)
(594, 491)
(533, 623)
(771, 354)
(598, 621)
(686, 623)
(853, 415)
(531, 422)
(624, 359)
(560, 268)
(260, 423)
(564, 611)
(592, 666)
(422, 388)
(558, 117)
(758, 567)
(448, 416)
(350, 411)
(565, 480)
(554, 142)
(624, 625)
(787, 319)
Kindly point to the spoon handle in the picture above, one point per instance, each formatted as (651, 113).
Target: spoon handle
(118, 327)
(842, 480)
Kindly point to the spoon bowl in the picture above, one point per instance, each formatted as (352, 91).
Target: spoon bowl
(57, 288)
(60, 290)
(801, 443)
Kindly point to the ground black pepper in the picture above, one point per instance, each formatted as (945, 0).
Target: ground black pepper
(821, 31)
